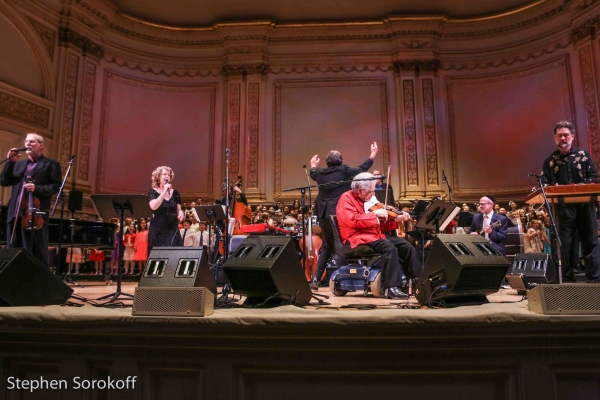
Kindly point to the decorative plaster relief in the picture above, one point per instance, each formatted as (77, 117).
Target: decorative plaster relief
(66, 133)
(588, 82)
(253, 134)
(48, 36)
(233, 127)
(16, 108)
(430, 132)
(85, 137)
(410, 133)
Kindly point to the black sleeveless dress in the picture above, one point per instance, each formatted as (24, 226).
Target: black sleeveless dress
(164, 226)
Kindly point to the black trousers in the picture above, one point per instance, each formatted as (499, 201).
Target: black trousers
(393, 250)
(578, 220)
(36, 242)
(327, 247)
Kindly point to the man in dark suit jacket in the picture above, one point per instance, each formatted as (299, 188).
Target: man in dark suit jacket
(497, 235)
(47, 179)
(328, 197)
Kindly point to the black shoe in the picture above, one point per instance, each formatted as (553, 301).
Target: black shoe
(395, 293)
(314, 285)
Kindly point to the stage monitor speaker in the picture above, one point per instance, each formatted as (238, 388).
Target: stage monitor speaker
(565, 299)
(178, 267)
(461, 270)
(75, 200)
(529, 269)
(173, 301)
(25, 281)
(267, 267)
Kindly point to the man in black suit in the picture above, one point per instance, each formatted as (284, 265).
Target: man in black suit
(328, 197)
(496, 235)
(47, 178)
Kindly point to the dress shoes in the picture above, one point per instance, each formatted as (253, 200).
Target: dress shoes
(395, 293)
(314, 284)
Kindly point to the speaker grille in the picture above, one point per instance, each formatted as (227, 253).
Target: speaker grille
(480, 278)
(186, 302)
(569, 298)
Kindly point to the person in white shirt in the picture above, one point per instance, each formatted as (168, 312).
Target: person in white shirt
(187, 234)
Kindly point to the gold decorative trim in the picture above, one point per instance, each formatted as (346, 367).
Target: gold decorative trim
(410, 133)
(48, 36)
(85, 137)
(109, 77)
(253, 133)
(233, 127)
(561, 63)
(68, 36)
(245, 69)
(22, 110)
(588, 81)
(588, 29)
(430, 132)
(68, 117)
(416, 65)
(279, 85)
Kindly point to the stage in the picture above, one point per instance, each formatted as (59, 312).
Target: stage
(498, 350)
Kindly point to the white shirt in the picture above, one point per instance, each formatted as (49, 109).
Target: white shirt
(489, 222)
(188, 240)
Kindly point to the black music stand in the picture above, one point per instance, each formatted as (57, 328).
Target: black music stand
(465, 219)
(438, 215)
(114, 206)
(212, 214)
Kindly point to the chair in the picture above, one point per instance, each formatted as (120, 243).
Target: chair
(360, 273)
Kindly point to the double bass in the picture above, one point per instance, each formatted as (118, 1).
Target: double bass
(313, 247)
(240, 212)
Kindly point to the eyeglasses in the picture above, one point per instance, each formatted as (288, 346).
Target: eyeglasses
(483, 204)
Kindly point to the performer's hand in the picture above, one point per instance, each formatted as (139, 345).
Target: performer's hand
(12, 155)
(403, 217)
(488, 230)
(237, 189)
(180, 216)
(30, 187)
(314, 161)
(381, 213)
(374, 149)
(167, 186)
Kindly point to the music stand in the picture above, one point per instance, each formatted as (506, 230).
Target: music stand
(114, 206)
(212, 214)
(465, 219)
(438, 215)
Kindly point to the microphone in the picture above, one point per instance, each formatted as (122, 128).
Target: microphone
(537, 176)
(304, 166)
(21, 149)
(227, 152)
(444, 180)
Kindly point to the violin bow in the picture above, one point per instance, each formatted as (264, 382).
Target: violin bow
(387, 191)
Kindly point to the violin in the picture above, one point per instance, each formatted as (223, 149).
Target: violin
(392, 211)
(31, 218)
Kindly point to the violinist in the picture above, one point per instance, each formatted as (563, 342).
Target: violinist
(46, 181)
(360, 227)
(379, 185)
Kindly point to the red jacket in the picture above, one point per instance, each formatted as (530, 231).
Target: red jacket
(357, 226)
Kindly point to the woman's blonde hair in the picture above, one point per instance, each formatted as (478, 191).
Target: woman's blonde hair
(156, 176)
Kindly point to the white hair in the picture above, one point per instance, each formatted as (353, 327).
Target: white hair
(359, 183)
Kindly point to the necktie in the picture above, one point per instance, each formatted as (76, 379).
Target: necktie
(184, 233)
(201, 238)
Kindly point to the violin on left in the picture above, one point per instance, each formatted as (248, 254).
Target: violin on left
(31, 219)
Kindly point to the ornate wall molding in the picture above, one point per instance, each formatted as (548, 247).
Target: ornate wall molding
(410, 133)
(416, 65)
(252, 133)
(16, 108)
(233, 126)
(68, 115)
(68, 36)
(279, 85)
(162, 70)
(430, 131)
(326, 68)
(588, 29)
(588, 81)
(48, 36)
(85, 128)
(245, 69)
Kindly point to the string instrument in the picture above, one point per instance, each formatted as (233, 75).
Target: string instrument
(492, 226)
(311, 258)
(241, 212)
(392, 211)
(30, 218)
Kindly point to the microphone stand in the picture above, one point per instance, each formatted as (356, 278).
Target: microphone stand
(61, 196)
(445, 180)
(554, 229)
(226, 287)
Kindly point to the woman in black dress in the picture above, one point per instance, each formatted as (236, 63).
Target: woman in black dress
(165, 203)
